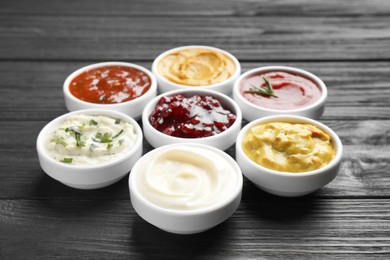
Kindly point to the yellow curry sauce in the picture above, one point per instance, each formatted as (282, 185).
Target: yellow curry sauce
(288, 147)
(196, 67)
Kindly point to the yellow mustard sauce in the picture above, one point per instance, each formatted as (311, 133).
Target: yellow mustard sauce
(288, 147)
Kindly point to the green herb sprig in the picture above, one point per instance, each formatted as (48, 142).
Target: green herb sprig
(77, 134)
(268, 90)
(102, 138)
(105, 138)
(67, 160)
(118, 134)
(92, 122)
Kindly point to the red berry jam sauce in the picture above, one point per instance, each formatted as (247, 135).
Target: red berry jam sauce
(191, 117)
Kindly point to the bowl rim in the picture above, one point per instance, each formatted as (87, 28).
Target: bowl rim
(337, 144)
(232, 78)
(69, 95)
(40, 143)
(220, 96)
(301, 72)
(192, 212)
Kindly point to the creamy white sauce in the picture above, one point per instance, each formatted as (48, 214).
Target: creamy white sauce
(186, 178)
(87, 140)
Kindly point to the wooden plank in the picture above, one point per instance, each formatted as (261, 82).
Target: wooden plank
(279, 228)
(143, 38)
(357, 90)
(343, 42)
(363, 172)
(196, 7)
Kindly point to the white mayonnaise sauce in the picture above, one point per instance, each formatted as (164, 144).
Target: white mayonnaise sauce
(187, 178)
(87, 140)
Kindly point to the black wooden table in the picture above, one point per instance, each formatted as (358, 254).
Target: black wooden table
(346, 43)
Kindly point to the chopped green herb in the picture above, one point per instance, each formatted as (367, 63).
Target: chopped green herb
(59, 140)
(70, 129)
(109, 145)
(265, 91)
(117, 121)
(92, 122)
(102, 138)
(105, 138)
(67, 160)
(80, 143)
(77, 134)
(118, 134)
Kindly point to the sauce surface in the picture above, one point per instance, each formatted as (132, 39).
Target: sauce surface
(190, 117)
(186, 178)
(196, 67)
(288, 147)
(291, 91)
(85, 140)
(110, 84)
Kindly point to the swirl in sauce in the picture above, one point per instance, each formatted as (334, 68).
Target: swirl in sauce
(187, 178)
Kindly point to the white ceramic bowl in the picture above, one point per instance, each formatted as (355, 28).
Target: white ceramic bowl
(225, 87)
(284, 183)
(184, 221)
(95, 176)
(251, 111)
(222, 140)
(133, 108)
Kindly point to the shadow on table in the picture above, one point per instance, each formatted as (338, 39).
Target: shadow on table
(281, 210)
(65, 203)
(47, 187)
(153, 243)
(260, 216)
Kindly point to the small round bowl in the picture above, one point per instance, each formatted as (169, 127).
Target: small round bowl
(288, 184)
(95, 176)
(225, 87)
(222, 140)
(251, 111)
(186, 221)
(132, 108)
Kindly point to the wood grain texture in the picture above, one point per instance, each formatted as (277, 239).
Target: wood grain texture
(109, 8)
(346, 43)
(278, 228)
(143, 38)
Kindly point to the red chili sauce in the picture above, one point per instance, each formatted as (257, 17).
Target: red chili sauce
(291, 91)
(191, 117)
(110, 84)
